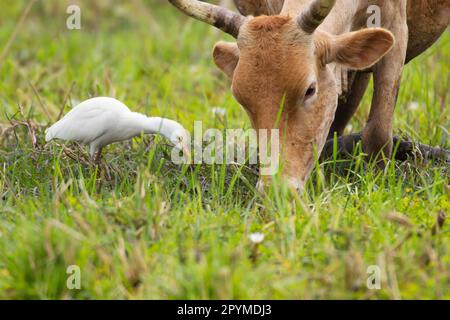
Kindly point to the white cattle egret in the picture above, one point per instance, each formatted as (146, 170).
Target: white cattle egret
(100, 121)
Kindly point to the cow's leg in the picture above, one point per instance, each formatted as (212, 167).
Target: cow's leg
(377, 134)
(347, 108)
(405, 149)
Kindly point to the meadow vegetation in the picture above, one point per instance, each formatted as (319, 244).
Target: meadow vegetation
(152, 229)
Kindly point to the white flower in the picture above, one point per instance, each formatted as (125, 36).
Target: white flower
(217, 111)
(256, 237)
(413, 106)
(349, 128)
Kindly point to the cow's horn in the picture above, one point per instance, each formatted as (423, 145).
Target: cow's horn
(314, 15)
(219, 17)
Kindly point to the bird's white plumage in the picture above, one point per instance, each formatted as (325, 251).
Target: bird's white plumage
(102, 120)
(88, 121)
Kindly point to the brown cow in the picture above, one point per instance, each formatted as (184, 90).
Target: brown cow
(286, 56)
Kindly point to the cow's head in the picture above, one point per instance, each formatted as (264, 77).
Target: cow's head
(281, 62)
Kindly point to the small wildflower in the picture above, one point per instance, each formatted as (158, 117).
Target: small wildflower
(257, 237)
(413, 106)
(349, 128)
(217, 111)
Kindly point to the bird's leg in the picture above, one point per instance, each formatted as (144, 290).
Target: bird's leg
(101, 166)
(98, 156)
(107, 172)
(95, 158)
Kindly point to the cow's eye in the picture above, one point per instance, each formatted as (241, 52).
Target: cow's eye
(311, 91)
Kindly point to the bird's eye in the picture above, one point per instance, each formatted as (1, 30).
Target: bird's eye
(311, 91)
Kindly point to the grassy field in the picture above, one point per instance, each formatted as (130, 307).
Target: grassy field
(157, 230)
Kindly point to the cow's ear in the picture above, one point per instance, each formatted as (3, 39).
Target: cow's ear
(226, 57)
(359, 49)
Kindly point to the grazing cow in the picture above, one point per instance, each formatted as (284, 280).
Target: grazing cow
(284, 56)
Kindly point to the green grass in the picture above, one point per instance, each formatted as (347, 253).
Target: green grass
(157, 230)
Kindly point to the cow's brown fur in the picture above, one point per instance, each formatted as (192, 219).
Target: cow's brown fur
(275, 59)
(279, 56)
(272, 63)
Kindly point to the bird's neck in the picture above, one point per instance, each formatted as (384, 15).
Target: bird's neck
(148, 125)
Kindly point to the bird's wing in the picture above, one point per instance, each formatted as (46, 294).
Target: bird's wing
(87, 121)
(83, 128)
